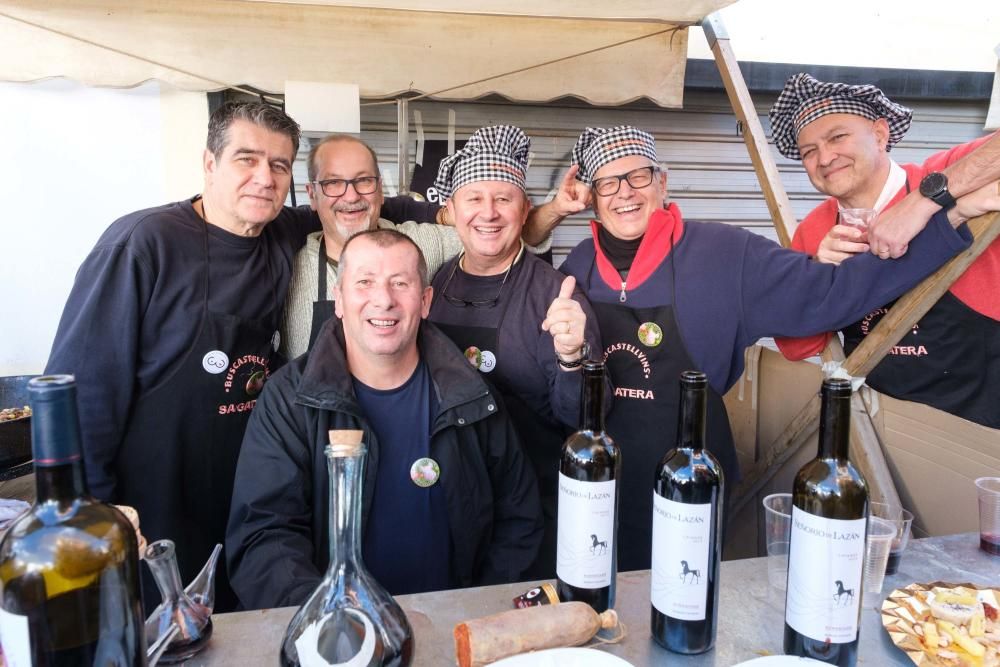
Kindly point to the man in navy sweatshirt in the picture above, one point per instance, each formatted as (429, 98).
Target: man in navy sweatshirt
(671, 295)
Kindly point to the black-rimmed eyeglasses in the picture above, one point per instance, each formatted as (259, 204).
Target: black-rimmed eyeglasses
(337, 187)
(464, 303)
(637, 178)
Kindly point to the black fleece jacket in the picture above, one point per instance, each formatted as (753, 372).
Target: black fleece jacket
(278, 542)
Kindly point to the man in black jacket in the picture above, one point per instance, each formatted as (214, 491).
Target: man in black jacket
(449, 499)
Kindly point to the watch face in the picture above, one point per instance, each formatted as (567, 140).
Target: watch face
(933, 184)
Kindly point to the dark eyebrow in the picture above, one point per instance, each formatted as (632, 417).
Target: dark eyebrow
(249, 151)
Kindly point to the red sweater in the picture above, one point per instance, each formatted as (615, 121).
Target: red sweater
(974, 288)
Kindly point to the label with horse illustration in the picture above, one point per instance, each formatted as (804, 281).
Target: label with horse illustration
(825, 563)
(681, 549)
(585, 532)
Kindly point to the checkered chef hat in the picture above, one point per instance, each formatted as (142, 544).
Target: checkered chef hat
(598, 146)
(804, 99)
(494, 153)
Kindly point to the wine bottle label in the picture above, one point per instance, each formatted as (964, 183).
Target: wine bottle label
(681, 551)
(16, 639)
(586, 525)
(825, 562)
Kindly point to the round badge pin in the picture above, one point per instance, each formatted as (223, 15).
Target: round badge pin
(215, 362)
(487, 361)
(425, 472)
(474, 356)
(650, 334)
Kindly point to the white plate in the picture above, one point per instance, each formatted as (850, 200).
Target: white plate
(564, 657)
(780, 661)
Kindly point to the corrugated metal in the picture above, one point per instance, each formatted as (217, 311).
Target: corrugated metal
(710, 174)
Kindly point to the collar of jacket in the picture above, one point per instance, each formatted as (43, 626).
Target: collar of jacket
(462, 394)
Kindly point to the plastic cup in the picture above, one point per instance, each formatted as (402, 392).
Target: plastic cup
(880, 535)
(859, 218)
(778, 531)
(903, 520)
(989, 514)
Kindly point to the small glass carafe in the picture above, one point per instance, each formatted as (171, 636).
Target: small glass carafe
(349, 618)
(190, 609)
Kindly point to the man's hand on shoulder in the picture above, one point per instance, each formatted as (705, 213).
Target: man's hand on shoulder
(840, 243)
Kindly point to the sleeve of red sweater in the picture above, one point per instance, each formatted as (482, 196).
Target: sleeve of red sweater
(806, 239)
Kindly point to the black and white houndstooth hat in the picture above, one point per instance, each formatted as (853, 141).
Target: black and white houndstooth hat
(598, 146)
(804, 99)
(494, 153)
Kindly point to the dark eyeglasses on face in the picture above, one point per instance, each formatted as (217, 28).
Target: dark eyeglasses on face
(337, 187)
(637, 178)
(465, 303)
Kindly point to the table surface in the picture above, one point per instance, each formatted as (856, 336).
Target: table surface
(750, 617)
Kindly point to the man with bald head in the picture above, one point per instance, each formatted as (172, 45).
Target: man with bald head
(843, 134)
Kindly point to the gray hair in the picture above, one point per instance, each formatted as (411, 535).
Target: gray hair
(313, 168)
(384, 238)
(260, 114)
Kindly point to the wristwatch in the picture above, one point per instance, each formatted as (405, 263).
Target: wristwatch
(934, 186)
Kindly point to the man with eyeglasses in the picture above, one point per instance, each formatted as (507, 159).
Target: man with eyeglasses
(672, 295)
(345, 191)
(516, 319)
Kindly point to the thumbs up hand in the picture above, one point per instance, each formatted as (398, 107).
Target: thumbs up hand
(566, 321)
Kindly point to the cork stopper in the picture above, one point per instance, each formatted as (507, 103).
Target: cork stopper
(345, 442)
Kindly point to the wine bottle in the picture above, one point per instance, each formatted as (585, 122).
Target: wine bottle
(687, 531)
(827, 548)
(69, 566)
(587, 523)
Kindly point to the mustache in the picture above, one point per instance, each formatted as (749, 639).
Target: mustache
(352, 207)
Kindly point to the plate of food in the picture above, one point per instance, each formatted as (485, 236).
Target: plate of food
(943, 624)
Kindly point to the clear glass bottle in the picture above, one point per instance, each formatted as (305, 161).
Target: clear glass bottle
(349, 617)
(190, 608)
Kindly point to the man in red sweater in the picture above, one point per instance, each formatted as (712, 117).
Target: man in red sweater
(843, 134)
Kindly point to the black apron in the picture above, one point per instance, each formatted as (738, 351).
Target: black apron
(323, 305)
(645, 356)
(177, 460)
(541, 438)
(961, 374)
(950, 360)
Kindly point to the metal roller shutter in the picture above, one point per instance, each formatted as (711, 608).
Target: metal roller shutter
(711, 177)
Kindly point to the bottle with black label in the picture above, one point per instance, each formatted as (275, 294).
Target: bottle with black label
(687, 531)
(589, 471)
(827, 549)
(69, 566)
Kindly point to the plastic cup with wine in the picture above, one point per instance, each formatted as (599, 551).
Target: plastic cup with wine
(989, 514)
(903, 520)
(859, 218)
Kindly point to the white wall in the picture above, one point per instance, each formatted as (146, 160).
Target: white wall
(75, 159)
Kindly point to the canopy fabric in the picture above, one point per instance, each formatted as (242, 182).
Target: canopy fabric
(214, 44)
